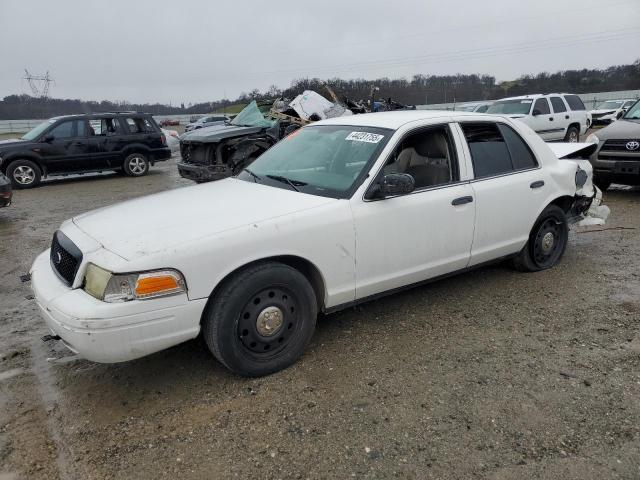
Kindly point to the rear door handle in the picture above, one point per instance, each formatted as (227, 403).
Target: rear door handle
(567, 117)
(551, 119)
(462, 201)
(537, 184)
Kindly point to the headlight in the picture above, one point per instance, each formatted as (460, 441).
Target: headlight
(592, 139)
(116, 287)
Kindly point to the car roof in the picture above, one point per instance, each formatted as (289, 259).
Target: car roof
(394, 120)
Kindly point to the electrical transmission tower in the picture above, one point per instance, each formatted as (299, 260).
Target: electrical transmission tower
(39, 83)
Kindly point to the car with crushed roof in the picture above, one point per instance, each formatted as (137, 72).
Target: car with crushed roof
(339, 212)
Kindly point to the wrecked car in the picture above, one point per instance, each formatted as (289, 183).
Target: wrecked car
(221, 151)
(343, 211)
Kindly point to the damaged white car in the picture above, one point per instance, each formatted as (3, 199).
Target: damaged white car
(339, 212)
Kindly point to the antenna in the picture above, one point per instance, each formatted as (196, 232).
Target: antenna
(39, 84)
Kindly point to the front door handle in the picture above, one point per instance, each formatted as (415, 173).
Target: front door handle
(537, 184)
(462, 201)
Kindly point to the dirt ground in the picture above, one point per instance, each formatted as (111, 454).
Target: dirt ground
(492, 375)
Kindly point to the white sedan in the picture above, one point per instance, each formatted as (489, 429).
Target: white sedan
(339, 212)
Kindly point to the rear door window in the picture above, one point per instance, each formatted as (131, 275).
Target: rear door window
(522, 157)
(489, 152)
(497, 149)
(558, 105)
(574, 102)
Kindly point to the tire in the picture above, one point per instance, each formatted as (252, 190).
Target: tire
(24, 174)
(573, 134)
(261, 320)
(602, 183)
(136, 165)
(547, 242)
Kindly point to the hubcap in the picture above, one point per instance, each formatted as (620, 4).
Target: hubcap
(547, 242)
(573, 137)
(137, 165)
(269, 321)
(24, 175)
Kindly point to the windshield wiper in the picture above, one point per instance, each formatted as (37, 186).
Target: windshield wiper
(292, 183)
(255, 177)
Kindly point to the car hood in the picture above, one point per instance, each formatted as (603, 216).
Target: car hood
(216, 133)
(175, 218)
(602, 112)
(9, 141)
(622, 129)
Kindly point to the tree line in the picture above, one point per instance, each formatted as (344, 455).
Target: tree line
(419, 90)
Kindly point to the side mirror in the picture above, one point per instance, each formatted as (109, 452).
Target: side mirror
(392, 184)
(536, 112)
(48, 138)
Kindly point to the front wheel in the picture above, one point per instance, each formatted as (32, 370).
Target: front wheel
(261, 320)
(573, 135)
(136, 165)
(547, 242)
(23, 174)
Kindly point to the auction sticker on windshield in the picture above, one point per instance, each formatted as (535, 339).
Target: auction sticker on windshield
(364, 137)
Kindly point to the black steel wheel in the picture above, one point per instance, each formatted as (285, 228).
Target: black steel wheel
(547, 241)
(261, 319)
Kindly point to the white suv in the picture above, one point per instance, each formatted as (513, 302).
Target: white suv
(553, 116)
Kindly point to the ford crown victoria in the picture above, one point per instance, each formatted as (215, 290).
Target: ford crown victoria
(337, 213)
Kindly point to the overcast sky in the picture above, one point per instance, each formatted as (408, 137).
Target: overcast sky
(201, 50)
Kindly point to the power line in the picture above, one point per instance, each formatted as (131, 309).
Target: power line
(497, 50)
(430, 32)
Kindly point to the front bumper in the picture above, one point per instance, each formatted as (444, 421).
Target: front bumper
(112, 332)
(201, 173)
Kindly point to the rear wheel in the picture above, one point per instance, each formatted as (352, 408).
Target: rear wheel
(547, 241)
(136, 165)
(573, 135)
(261, 319)
(23, 174)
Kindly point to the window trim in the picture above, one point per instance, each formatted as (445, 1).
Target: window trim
(498, 175)
(446, 126)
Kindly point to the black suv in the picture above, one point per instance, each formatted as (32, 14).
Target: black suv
(127, 141)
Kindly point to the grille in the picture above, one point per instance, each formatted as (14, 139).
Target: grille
(619, 145)
(65, 257)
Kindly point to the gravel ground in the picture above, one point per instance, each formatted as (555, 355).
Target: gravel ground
(493, 374)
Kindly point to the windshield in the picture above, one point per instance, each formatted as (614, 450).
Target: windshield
(36, 131)
(251, 116)
(511, 107)
(610, 105)
(634, 112)
(326, 160)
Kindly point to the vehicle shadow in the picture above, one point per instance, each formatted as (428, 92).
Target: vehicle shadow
(190, 373)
